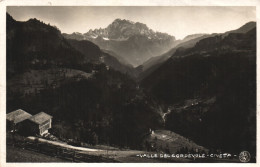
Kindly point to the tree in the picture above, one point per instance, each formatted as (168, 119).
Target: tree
(93, 138)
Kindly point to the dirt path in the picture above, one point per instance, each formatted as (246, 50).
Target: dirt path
(65, 145)
(117, 155)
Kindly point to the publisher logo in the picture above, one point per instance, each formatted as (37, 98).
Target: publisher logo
(244, 156)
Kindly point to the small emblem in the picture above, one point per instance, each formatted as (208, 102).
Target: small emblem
(244, 156)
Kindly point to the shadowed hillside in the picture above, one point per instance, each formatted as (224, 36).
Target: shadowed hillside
(222, 68)
(188, 42)
(87, 91)
(93, 53)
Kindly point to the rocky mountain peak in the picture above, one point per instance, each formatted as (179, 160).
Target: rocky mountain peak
(121, 21)
(135, 41)
(122, 29)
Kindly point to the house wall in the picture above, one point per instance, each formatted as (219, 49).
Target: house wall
(28, 128)
(9, 126)
(43, 128)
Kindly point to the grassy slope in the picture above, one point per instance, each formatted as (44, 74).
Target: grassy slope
(15, 154)
(165, 138)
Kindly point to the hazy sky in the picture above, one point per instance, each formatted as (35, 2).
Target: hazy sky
(177, 21)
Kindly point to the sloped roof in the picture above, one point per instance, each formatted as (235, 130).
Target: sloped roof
(17, 116)
(40, 118)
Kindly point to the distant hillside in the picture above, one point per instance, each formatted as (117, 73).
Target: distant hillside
(119, 58)
(91, 51)
(245, 28)
(94, 54)
(192, 36)
(153, 63)
(188, 42)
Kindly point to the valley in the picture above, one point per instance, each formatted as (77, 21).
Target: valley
(136, 90)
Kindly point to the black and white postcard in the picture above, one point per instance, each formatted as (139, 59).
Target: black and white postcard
(130, 82)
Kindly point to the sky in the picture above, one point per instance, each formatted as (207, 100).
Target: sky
(174, 20)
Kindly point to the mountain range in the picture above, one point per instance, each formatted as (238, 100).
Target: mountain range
(133, 41)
